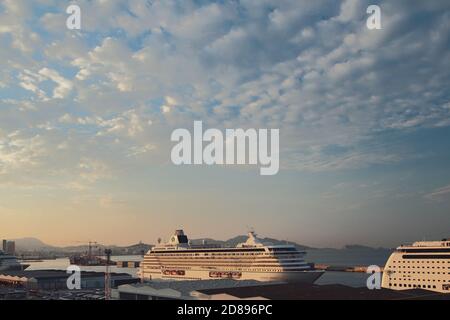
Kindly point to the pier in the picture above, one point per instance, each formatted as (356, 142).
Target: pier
(342, 268)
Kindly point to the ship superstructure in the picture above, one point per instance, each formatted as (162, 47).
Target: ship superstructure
(422, 265)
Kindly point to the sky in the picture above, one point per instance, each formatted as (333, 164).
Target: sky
(86, 117)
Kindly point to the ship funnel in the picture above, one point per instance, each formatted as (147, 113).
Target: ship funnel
(179, 238)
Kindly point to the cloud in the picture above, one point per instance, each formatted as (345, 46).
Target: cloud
(138, 150)
(336, 90)
(12, 23)
(129, 123)
(92, 170)
(440, 194)
(166, 109)
(30, 81)
(18, 151)
(63, 86)
(109, 201)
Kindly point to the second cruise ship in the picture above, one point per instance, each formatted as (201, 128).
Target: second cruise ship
(422, 265)
(251, 260)
(10, 263)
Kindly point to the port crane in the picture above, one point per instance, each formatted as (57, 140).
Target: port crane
(90, 247)
(91, 244)
(89, 259)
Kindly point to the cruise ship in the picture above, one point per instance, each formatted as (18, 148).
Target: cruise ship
(251, 260)
(422, 265)
(10, 263)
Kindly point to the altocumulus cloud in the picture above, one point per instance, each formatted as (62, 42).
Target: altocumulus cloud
(137, 69)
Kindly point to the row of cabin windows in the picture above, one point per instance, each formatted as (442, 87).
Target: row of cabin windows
(420, 267)
(234, 269)
(248, 265)
(230, 261)
(418, 272)
(250, 270)
(223, 254)
(422, 261)
(414, 286)
(278, 257)
(424, 280)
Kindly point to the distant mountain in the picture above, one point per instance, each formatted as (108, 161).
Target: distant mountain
(362, 248)
(233, 242)
(99, 249)
(139, 247)
(32, 244)
(348, 255)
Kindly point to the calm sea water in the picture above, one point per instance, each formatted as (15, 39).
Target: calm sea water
(347, 257)
(323, 256)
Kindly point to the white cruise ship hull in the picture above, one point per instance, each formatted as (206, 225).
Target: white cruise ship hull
(309, 276)
(251, 260)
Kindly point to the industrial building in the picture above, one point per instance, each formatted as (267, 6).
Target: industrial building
(176, 290)
(57, 279)
(254, 290)
(9, 247)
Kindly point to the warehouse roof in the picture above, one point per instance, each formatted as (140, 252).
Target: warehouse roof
(321, 292)
(185, 289)
(53, 274)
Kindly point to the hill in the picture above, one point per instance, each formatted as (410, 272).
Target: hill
(239, 239)
(32, 244)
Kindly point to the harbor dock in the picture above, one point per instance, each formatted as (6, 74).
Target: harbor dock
(343, 268)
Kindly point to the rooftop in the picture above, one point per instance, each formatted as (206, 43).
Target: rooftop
(53, 274)
(184, 289)
(229, 289)
(323, 292)
(190, 285)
